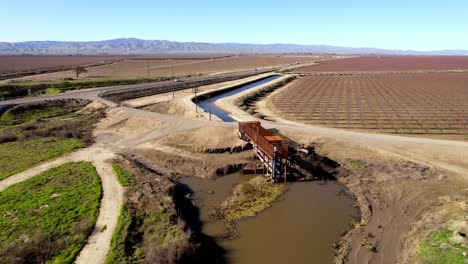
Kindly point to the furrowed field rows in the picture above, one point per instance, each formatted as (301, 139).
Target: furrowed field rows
(390, 63)
(421, 103)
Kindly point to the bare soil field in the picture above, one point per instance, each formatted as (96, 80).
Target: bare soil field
(139, 68)
(390, 63)
(13, 64)
(416, 103)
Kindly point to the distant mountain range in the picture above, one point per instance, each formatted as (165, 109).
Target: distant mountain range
(135, 46)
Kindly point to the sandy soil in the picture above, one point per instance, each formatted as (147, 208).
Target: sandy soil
(196, 140)
(95, 251)
(119, 125)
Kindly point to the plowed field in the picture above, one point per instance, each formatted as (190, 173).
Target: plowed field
(391, 63)
(12, 64)
(142, 68)
(416, 103)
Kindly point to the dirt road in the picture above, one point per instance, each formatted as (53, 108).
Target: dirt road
(95, 251)
(94, 93)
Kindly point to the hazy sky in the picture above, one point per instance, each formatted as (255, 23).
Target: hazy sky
(395, 24)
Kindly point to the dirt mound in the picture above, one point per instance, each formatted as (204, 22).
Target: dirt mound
(166, 107)
(93, 106)
(206, 139)
(119, 124)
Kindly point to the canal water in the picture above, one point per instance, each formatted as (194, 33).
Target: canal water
(208, 105)
(298, 228)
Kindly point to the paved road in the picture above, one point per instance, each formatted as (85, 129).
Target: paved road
(93, 93)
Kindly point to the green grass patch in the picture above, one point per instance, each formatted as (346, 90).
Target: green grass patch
(23, 114)
(21, 155)
(48, 218)
(439, 249)
(52, 91)
(249, 198)
(31, 134)
(124, 177)
(356, 164)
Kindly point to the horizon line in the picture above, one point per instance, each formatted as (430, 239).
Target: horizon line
(238, 43)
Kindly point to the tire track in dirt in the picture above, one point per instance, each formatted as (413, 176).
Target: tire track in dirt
(97, 247)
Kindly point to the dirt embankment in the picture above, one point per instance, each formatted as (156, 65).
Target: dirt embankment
(206, 139)
(393, 195)
(202, 165)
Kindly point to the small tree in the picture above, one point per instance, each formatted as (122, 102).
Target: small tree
(79, 69)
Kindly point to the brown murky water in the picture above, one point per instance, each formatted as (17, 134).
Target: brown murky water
(298, 228)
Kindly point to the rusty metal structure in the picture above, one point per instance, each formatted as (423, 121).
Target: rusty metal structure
(271, 150)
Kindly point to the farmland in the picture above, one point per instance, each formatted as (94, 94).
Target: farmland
(13, 64)
(390, 63)
(413, 103)
(160, 67)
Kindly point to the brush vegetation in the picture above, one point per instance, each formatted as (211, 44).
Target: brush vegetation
(31, 134)
(48, 218)
(136, 233)
(439, 248)
(148, 229)
(249, 198)
(19, 90)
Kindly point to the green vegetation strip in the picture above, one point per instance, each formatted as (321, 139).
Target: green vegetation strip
(20, 115)
(48, 218)
(249, 198)
(124, 177)
(17, 90)
(439, 248)
(135, 234)
(16, 157)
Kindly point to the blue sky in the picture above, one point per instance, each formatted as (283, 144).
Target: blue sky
(397, 24)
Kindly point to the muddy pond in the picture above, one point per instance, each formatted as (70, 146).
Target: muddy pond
(300, 227)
